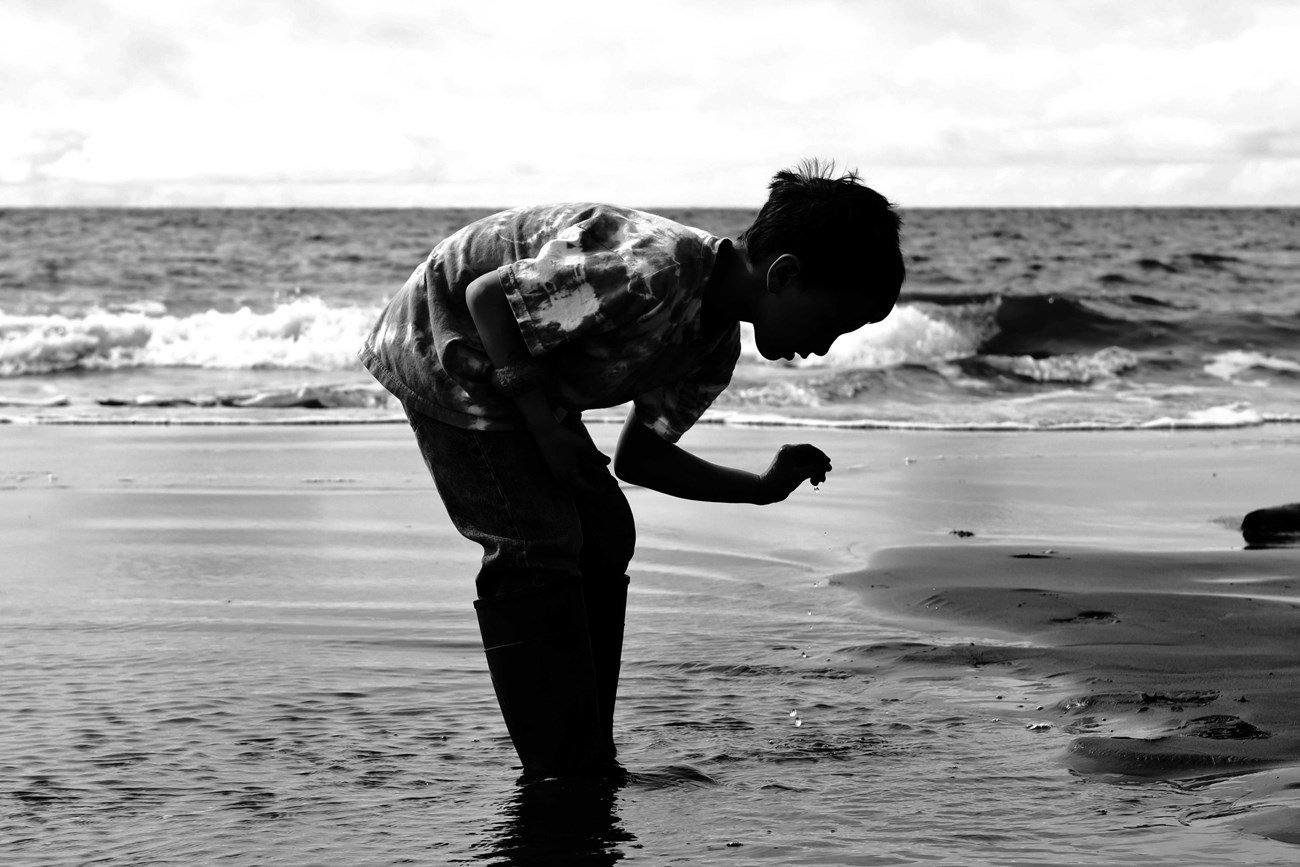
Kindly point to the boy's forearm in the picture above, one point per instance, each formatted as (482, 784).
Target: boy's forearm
(505, 346)
(644, 459)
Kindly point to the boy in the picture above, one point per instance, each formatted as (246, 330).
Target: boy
(517, 323)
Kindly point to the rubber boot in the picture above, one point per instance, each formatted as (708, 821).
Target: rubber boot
(539, 655)
(606, 613)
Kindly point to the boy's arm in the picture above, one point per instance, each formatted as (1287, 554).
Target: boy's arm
(566, 454)
(643, 458)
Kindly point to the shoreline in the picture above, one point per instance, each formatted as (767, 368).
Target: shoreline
(39, 414)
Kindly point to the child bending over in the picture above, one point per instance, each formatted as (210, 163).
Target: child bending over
(520, 321)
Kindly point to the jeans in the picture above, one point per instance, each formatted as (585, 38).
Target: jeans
(534, 531)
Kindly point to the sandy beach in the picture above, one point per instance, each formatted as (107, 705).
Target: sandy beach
(983, 647)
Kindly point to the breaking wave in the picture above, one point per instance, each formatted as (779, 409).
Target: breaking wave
(304, 334)
(951, 360)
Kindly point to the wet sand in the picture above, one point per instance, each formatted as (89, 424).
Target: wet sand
(1162, 665)
(1082, 604)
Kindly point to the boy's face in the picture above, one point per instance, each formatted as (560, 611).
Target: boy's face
(803, 321)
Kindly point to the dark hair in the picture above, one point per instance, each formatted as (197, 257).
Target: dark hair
(845, 234)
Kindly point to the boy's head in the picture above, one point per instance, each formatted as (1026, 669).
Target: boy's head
(832, 241)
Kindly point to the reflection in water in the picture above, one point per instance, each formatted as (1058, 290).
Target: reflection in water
(559, 821)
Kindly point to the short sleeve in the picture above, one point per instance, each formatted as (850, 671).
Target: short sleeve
(574, 287)
(672, 410)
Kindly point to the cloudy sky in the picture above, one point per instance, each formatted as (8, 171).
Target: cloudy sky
(653, 102)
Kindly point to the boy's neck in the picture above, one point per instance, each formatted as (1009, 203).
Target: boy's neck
(733, 288)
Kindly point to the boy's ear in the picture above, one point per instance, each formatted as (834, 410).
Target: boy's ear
(782, 270)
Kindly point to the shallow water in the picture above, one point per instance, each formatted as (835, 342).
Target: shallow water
(220, 651)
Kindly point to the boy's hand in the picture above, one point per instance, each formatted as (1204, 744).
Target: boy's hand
(790, 468)
(569, 456)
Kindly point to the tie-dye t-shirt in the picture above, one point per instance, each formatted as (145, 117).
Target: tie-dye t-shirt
(611, 299)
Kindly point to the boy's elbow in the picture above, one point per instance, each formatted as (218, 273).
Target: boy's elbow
(634, 458)
(626, 468)
(477, 292)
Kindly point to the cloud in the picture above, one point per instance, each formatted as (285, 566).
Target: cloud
(496, 102)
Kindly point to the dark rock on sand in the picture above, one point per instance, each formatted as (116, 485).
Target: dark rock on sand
(1276, 525)
(1222, 727)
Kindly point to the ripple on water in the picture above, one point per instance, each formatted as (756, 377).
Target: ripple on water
(202, 745)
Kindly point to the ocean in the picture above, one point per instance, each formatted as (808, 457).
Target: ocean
(1013, 319)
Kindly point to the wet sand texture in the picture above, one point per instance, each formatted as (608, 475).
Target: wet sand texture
(207, 628)
(1170, 665)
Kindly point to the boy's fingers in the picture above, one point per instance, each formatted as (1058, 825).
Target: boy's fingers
(806, 455)
(817, 472)
(813, 453)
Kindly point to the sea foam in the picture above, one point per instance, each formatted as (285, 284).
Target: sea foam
(1230, 366)
(912, 334)
(304, 333)
(1079, 369)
